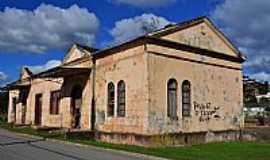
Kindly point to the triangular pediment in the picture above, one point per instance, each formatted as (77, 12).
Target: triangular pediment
(25, 73)
(77, 52)
(199, 33)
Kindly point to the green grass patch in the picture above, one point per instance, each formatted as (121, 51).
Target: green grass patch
(218, 151)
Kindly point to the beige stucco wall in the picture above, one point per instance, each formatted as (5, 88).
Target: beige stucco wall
(63, 119)
(218, 85)
(73, 54)
(204, 36)
(12, 94)
(20, 108)
(128, 65)
(85, 82)
(45, 87)
(85, 62)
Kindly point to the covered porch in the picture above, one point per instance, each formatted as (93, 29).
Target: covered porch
(75, 96)
(18, 94)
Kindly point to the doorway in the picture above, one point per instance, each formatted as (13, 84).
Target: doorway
(14, 103)
(76, 104)
(23, 100)
(38, 109)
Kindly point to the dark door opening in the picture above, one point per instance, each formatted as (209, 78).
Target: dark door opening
(76, 104)
(23, 99)
(23, 114)
(38, 109)
(14, 102)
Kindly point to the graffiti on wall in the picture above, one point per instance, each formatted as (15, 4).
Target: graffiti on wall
(206, 111)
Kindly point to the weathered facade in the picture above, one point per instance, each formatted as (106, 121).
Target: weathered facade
(178, 85)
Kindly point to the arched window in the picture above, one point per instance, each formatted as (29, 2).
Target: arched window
(121, 99)
(172, 98)
(186, 98)
(110, 109)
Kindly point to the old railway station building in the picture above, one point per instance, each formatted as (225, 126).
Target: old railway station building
(178, 85)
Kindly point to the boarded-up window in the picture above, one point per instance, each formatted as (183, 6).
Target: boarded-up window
(121, 99)
(186, 99)
(110, 109)
(172, 98)
(54, 102)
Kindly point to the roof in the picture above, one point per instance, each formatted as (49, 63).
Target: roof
(175, 27)
(171, 28)
(186, 24)
(90, 49)
(24, 83)
(62, 71)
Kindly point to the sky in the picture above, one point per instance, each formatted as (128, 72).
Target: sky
(38, 33)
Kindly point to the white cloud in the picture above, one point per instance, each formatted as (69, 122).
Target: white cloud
(40, 68)
(145, 3)
(47, 27)
(247, 23)
(3, 76)
(130, 28)
(261, 76)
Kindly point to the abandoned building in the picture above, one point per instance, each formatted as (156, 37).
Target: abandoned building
(178, 85)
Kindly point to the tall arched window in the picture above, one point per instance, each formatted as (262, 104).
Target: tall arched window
(186, 98)
(110, 109)
(172, 98)
(121, 99)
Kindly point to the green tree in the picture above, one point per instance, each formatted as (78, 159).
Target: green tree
(3, 102)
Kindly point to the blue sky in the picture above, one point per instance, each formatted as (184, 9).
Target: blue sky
(37, 33)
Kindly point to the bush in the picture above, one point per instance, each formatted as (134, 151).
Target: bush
(3, 118)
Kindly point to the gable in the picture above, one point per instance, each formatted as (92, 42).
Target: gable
(75, 53)
(25, 73)
(203, 35)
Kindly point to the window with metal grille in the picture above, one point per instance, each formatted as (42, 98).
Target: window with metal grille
(54, 102)
(172, 99)
(121, 99)
(186, 99)
(110, 106)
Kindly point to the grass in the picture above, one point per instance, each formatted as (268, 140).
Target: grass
(31, 131)
(218, 151)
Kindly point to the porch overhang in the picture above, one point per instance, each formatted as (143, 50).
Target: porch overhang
(62, 71)
(20, 84)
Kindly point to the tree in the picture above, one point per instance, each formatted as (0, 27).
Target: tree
(263, 88)
(3, 101)
(250, 95)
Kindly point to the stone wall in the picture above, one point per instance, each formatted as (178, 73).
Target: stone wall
(172, 139)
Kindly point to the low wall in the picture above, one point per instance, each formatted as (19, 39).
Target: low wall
(168, 139)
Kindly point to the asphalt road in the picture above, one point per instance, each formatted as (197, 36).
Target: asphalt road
(18, 147)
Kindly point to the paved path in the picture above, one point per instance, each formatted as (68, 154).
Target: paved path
(18, 147)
